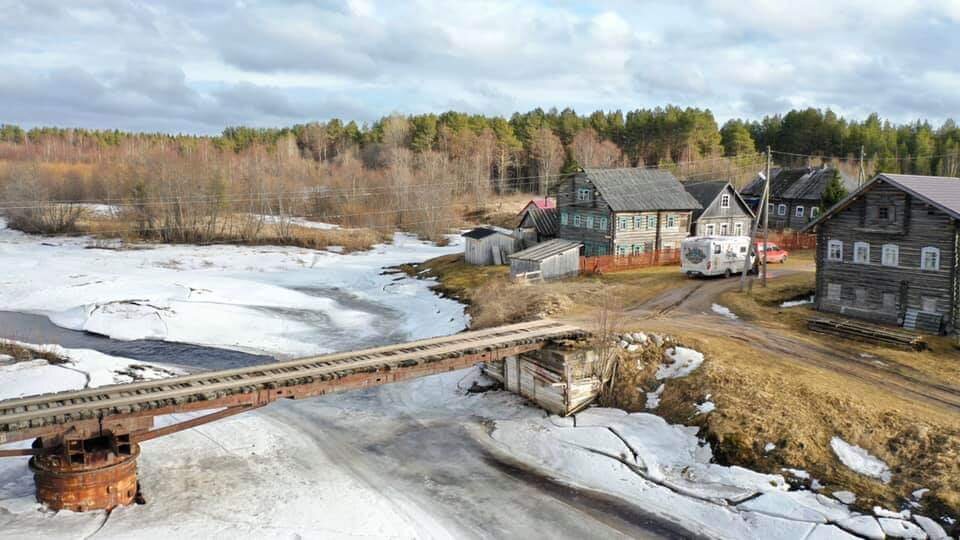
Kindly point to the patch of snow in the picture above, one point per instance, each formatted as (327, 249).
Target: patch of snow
(724, 311)
(769, 447)
(918, 494)
(932, 528)
(653, 398)
(283, 301)
(683, 362)
(898, 528)
(798, 473)
(297, 221)
(815, 485)
(859, 460)
(883, 512)
(846, 497)
(706, 407)
(829, 532)
(798, 505)
(863, 526)
(83, 368)
(796, 303)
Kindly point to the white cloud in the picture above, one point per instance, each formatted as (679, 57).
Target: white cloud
(204, 63)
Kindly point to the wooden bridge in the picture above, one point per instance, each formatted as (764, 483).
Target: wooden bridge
(86, 442)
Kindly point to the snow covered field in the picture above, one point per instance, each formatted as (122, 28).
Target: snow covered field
(282, 301)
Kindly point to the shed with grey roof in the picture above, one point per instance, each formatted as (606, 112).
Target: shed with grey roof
(489, 245)
(888, 253)
(552, 259)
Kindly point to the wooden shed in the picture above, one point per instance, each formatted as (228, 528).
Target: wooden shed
(538, 221)
(489, 245)
(560, 379)
(553, 259)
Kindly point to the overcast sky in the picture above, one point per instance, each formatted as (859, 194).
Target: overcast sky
(199, 65)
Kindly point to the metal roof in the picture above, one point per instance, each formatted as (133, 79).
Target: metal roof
(942, 192)
(629, 190)
(545, 250)
(707, 191)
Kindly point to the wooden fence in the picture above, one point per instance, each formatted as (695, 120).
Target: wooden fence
(671, 257)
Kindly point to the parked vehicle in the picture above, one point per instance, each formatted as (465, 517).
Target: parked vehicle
(715, 255)
(775, 254)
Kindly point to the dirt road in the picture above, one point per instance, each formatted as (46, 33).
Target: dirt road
(688, 310)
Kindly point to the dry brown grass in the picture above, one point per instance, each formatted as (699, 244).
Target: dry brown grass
(25, 354)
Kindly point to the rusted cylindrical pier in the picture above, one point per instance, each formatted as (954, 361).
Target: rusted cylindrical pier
(91, 474)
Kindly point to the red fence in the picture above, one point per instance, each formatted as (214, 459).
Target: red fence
(618, 263)
(671, 257)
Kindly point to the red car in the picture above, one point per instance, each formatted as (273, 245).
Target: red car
(774, 253)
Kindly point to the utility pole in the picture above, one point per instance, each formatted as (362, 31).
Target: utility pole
(766, 219)
(862, 175)
(756, 225)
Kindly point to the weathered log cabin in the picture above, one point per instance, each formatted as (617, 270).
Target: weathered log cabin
(724, 212)
(796, 194)
(624, 211)
(887, 253)
(538, 221)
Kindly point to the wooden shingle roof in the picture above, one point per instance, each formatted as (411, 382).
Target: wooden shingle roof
(632, 190)
(545, 250)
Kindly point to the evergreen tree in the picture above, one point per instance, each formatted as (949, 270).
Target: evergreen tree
(834, 192)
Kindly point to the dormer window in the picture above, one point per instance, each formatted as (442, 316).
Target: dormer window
(584, 194)
(885, 213)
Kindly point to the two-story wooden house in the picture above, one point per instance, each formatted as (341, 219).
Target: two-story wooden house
(888, 253)
(796, 194)
(624, 211)
(724, 211)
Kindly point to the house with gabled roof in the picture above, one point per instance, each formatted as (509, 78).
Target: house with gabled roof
(538, 221)
(796, 194)
(887, 253)
(624, 211)
(724, 211)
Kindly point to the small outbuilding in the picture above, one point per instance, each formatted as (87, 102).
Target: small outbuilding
(538, 221)
(553, 259)
(489, 245)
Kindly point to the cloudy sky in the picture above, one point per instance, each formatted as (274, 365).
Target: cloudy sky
(199, 65)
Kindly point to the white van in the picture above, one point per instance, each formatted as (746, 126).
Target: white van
(715, 255)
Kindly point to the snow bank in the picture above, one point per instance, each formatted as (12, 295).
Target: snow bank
(83, 368)
(796, 303)
(859, 460)
(653, 398)
(724, 312)
(683, 362)
(282, 301)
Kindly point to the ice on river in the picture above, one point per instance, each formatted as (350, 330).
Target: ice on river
(283, 301)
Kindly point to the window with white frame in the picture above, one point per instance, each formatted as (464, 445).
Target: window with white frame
(621, 250)
(814, 212)
(724, 229)
(781, 210)
(928, 304)
(930, 258)
(672, 222)
(564, 218)
(651, 222)
(577, 220)
(835, 250)
(798, 211)
(639, 222)
(738, 229)
(589, 221)
(770, 208)
(623, 223)
(725, 201)
(711, 229)
(583, 194)
(890, 255)
(861, 252)
(637, 249)
(602, 223)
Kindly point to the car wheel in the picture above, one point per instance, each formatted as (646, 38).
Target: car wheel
(728, 273)
(783, 260)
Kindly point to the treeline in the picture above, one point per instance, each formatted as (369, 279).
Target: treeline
(417, 172)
